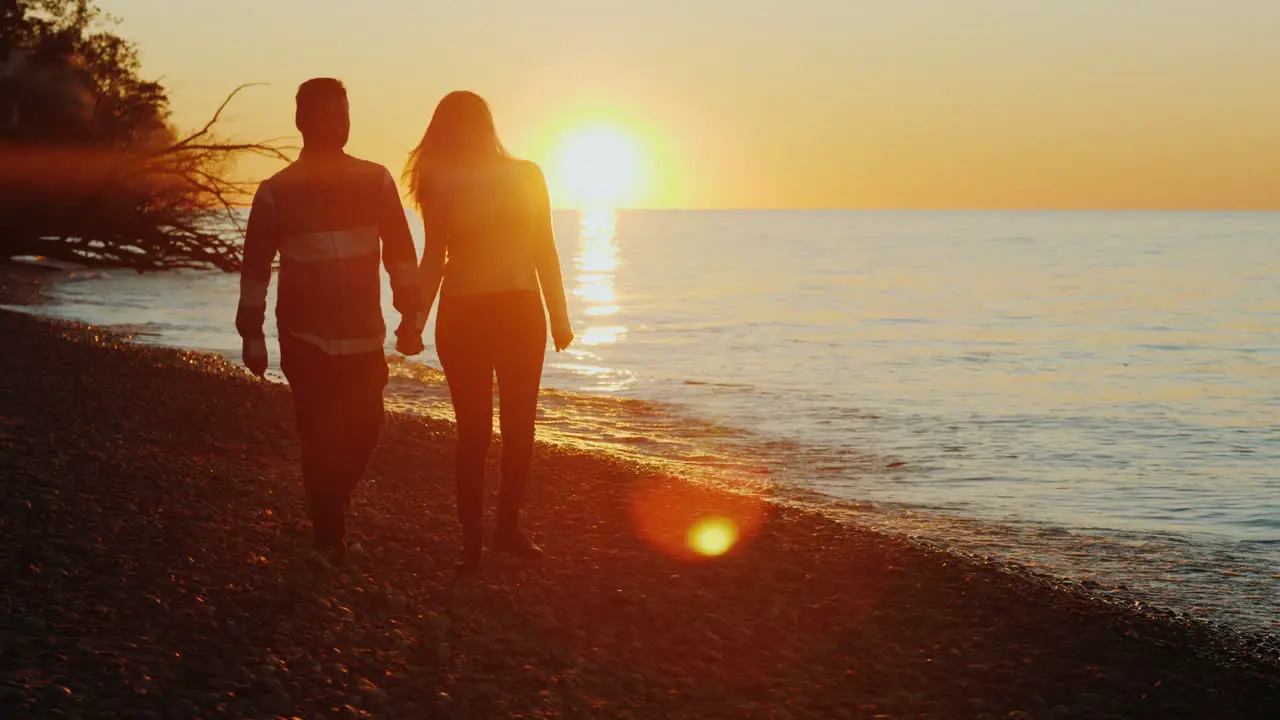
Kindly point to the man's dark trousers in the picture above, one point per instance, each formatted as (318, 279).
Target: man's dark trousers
(338, 405)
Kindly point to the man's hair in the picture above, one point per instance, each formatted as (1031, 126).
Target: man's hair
(319, 94)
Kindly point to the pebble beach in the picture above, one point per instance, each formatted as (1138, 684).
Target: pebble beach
(153, 544)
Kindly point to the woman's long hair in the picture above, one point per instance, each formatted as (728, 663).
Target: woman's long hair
(461, 132)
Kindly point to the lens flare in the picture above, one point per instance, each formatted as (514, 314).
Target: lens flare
(693, 523)
(713, 536)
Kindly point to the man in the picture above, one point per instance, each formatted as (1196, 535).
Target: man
(325, 215)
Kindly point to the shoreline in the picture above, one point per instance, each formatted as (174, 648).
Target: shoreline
(23, 283)
(1210, 576)
(154, 551)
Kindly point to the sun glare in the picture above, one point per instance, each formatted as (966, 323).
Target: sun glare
(692, 523)
(598, 167)
(713, 536)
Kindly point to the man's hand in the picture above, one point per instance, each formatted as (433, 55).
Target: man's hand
(409, 335)
(562, 337)
(255, 356)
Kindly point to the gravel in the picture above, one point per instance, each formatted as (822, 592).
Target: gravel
(153, 544)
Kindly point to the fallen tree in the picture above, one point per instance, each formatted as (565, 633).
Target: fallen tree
(91, 169)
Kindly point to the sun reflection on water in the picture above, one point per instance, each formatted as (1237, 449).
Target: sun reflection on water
(596, 261)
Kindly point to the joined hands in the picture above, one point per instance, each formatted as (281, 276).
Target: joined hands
(409, 336)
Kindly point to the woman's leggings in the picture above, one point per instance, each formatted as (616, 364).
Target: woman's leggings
(478, 336)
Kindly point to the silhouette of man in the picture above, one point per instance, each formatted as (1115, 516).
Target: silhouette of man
(325, 215)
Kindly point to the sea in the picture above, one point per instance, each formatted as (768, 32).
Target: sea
(1089, 395)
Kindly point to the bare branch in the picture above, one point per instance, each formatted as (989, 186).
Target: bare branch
(217, 115)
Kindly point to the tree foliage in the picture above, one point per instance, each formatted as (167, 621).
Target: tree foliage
(91, 168)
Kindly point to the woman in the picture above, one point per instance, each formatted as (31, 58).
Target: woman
(489, 247)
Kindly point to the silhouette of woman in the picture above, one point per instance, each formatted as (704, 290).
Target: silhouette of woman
(489, 248)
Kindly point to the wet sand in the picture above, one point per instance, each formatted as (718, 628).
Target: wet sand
(151, 545)
(25, 283)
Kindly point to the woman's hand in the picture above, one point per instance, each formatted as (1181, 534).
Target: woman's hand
(562, 337)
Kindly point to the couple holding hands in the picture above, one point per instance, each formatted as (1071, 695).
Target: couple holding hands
(490, 257)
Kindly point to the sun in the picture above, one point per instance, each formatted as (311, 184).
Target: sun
(598, 167)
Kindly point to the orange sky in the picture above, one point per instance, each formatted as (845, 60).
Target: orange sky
(760, 103)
